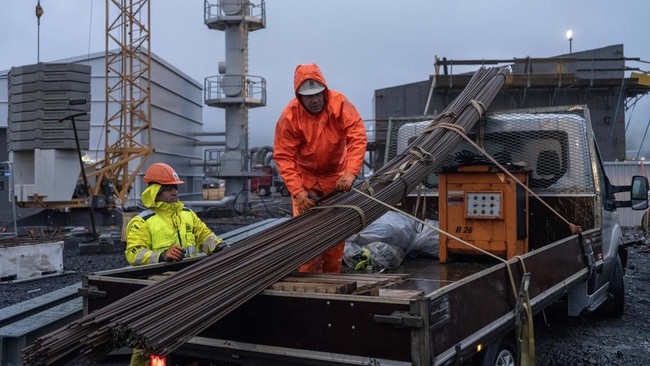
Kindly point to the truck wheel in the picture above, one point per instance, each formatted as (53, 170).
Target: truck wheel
(503, 353)
(284, 192)
(263, 191)
(615, 305)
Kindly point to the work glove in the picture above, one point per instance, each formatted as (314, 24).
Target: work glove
(173, 254)
(344, 184)
(303, 202)
(363, 260)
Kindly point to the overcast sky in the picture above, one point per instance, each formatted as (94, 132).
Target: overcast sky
(360, 45)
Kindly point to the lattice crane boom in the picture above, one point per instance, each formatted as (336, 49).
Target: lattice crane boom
(128, 86)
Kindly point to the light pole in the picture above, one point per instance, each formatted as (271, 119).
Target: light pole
(569, 36)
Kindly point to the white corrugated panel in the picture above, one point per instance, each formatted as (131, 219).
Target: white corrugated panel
(620, 173)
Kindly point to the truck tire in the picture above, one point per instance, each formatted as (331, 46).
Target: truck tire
(284, 192)
(503, 353)
(263, 191)
(615, 305)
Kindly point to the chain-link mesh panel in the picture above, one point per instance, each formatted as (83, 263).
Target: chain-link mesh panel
(553, 146)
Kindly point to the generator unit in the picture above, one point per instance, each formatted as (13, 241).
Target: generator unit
(484, 206)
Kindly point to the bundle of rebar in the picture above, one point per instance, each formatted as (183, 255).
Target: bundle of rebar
(161, 317)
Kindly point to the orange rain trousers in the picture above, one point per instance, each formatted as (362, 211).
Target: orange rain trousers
(329, 261)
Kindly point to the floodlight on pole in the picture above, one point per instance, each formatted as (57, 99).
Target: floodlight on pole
(569, 36)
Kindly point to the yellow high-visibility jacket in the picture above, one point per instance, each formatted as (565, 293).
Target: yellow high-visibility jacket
(163, 225)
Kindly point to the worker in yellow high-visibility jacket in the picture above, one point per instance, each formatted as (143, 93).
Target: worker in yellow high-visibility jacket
(166, 231)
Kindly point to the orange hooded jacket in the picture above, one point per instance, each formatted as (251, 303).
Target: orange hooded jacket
(314, 151)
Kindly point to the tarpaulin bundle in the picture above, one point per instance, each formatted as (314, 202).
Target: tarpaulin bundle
(218, 284)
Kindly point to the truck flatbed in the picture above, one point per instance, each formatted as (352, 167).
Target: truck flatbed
(429, 310)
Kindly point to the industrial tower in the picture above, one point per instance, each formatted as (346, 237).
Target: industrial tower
(234, 89)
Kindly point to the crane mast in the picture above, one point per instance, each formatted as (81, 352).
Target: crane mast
(128, 99)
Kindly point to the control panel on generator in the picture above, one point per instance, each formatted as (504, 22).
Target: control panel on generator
(484, 206)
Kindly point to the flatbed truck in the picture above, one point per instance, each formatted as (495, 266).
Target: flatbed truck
(464, 309)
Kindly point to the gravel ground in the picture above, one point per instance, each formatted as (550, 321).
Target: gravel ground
(560, 340)
(598, 340)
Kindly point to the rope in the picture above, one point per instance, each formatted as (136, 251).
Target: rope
(422, 154)
(366, 187)
(480, 107)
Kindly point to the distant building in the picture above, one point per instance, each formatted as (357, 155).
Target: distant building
(593, 77)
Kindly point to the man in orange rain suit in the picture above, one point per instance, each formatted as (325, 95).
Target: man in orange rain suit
(320, 143)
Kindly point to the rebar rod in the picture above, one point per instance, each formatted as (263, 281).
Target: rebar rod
(216, 285)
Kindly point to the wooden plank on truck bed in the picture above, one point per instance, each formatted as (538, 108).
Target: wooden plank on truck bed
(329, 288)
(349, 286)
(366, 283)
(162, 276)
(360, 278)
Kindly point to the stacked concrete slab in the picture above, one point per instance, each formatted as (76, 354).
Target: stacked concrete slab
(39, 98)
(40, 135)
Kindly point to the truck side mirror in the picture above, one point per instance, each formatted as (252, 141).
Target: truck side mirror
(639, 192)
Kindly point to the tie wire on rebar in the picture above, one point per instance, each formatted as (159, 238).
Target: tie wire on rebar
(213, 287)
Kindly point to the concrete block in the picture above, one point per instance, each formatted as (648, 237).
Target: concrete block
(31, 260)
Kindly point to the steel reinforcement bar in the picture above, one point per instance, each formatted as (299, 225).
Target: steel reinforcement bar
(213, 287)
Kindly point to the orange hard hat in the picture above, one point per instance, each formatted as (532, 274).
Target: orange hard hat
(161, 173)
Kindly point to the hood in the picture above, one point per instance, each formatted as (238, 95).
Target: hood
(148, 198)
(307, 71)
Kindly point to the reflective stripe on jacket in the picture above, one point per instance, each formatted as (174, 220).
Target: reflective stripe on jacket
(163, 225)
